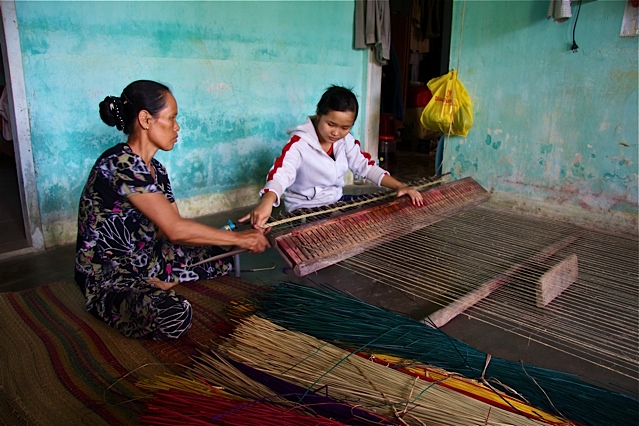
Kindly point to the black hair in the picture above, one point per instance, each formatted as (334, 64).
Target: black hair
(140, 95)
(337, 98)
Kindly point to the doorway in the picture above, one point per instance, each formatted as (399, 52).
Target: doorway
(12, 231)
(420, 51)
(20, 226)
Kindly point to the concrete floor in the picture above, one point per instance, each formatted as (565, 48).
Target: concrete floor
(55, 264)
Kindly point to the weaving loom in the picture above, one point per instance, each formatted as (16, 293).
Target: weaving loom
(312, 246)
(560, 285)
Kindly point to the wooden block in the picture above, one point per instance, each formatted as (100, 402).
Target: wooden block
(556, 280)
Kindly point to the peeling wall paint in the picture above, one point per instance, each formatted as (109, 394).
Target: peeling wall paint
(242, 73)
(551, 125)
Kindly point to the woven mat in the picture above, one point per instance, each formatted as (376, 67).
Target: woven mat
(61, 365)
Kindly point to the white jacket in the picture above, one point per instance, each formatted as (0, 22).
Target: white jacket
(310, 176)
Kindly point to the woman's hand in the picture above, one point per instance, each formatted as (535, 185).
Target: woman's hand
(253, 240)
(178, 230)
(156, 282)
(416, 197)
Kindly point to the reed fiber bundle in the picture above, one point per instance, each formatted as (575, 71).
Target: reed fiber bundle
(215, 390)
(355, 325)
(317, 365)
(464, 385)
(175, 407)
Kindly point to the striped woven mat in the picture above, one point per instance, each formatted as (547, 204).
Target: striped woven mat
(61, 365)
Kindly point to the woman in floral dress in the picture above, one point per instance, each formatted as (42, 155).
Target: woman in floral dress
(133, 246)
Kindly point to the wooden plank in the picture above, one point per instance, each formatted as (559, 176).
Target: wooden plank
(447, 313)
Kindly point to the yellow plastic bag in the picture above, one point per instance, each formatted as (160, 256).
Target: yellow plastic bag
(450, 110)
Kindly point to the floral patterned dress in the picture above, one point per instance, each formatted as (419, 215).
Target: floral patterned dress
(118, 249)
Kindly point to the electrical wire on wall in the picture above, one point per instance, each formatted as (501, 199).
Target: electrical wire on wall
(574, 46)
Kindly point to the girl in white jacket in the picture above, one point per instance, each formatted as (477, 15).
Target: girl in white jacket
(311, 168)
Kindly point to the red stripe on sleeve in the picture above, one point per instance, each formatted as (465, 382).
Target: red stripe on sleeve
(365, 154)
(279, 160)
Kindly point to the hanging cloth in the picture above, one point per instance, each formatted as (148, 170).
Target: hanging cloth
(559, 10)
(372, 27)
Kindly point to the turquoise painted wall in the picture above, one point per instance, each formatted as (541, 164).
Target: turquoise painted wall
(242, 73)
(551, 126)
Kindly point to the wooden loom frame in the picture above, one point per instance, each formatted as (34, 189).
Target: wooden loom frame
(299, 247)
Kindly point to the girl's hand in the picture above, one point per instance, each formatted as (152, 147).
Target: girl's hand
(415, 196)
(260, 214)
(392, 183)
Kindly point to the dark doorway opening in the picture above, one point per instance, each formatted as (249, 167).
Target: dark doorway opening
(420, 51)
(12, 230)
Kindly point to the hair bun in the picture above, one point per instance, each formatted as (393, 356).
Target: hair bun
(112, 112)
